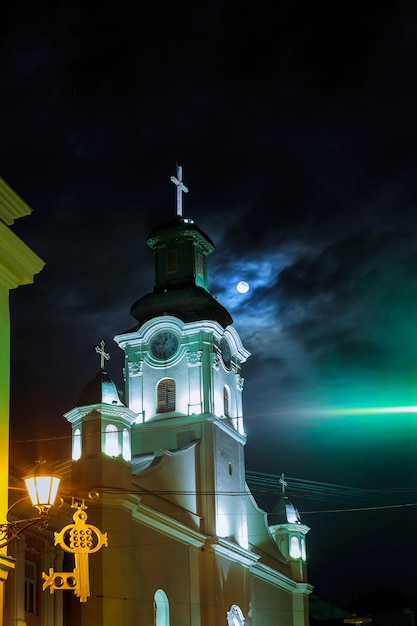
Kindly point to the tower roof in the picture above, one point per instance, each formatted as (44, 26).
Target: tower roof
(181, 282)
(101, 390)
(284, 512)
(177, 228)
(189, 304)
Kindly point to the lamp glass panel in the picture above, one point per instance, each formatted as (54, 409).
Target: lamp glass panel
(42, 489)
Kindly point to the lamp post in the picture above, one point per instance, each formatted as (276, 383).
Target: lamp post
(42, 490)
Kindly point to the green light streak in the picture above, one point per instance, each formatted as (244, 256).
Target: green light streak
(373, 410)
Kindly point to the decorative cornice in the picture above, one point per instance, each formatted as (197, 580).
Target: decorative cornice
(12, 207)
(289, 527)
(17, 261)
(107, 410)
(7, 564)
(264, 572)
(7, 279)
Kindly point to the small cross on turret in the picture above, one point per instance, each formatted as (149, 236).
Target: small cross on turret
(283, 482)
(177, 180)
(103, 355)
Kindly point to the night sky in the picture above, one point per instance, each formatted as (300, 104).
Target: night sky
(296, 129)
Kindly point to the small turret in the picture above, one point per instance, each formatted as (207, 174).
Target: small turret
(101, 433)
(289, 533)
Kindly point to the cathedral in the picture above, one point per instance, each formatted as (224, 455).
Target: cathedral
(186, 543)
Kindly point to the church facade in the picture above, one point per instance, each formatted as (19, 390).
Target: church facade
(187, 543)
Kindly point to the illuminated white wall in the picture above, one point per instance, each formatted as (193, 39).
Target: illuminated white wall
(197, 368)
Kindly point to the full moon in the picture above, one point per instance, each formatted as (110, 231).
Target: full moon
(243, 287)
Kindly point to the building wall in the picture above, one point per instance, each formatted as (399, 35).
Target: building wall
(4, 398)
(18, 265)
(162, 563)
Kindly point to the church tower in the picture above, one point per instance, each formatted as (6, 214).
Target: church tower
(183, 373)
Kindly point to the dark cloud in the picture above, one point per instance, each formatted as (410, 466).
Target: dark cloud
(296, 129)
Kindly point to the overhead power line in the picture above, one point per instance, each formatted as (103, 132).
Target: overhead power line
(304, 489)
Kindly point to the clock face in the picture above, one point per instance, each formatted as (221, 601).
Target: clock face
(164, 345)
(225, 352)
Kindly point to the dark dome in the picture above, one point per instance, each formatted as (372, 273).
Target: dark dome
(284, 512)
(178, 227)
(181, 284)
(189, 304)
(101, 390)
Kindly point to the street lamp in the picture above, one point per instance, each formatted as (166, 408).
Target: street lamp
(42, 488)
(80, 538)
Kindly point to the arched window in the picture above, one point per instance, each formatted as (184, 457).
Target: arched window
(111, 445)
(295, 549)
(226, 401)
(76, 445)
(126, 453)
(161, 608)
(166, 395)
(303, 549)
(235, 616)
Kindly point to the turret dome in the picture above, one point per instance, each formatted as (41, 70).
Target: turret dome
(101, 390)
(284, 512)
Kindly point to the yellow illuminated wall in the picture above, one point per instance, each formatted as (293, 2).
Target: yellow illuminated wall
(18, 265)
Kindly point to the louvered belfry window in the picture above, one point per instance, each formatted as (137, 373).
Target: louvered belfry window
(171, 261)
(200, 264)
(166, 395)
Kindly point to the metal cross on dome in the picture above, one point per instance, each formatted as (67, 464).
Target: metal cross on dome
(103, 355)
(283, 482)
(177, 180)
